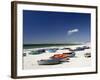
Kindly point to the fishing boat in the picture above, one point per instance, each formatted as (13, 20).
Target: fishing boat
(86, 47)
(60, 57)
(79, 49)
(71, 54)
(51, 50)
(65, 48)
(41, 50)
(34, 52)
(87, 55)
(24, 54)
(48, 62)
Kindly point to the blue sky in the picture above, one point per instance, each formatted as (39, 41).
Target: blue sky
(55, 27)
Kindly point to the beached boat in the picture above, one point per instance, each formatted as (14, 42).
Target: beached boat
(86, 47)
(87, 55)
(79, 49)
(51, 50)
(34, 53)
(66, 49)
(48, 62)
(24, 54)
(41, 50)
(71, 54)
(60, 57)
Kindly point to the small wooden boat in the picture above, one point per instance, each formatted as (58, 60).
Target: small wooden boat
(86, 47)
(79, 49)
(67, 49)
(51, 50)
(48, 62)
(24, 54)
(41, 50)
(60, 57)
(71, 54)
(34, 53)
(87, 55)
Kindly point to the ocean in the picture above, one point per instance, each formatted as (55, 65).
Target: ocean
(29, 46)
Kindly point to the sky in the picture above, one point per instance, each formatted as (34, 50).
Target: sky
(41, 27)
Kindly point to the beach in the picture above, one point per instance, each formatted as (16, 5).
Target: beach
(30, 61)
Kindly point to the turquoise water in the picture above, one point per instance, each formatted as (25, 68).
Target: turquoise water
(29, 46)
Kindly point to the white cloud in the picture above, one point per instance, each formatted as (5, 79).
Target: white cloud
(72, 31)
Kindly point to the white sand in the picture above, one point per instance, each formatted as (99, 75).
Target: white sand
(30, 61)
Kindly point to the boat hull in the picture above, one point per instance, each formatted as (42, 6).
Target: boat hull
(48, 62)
